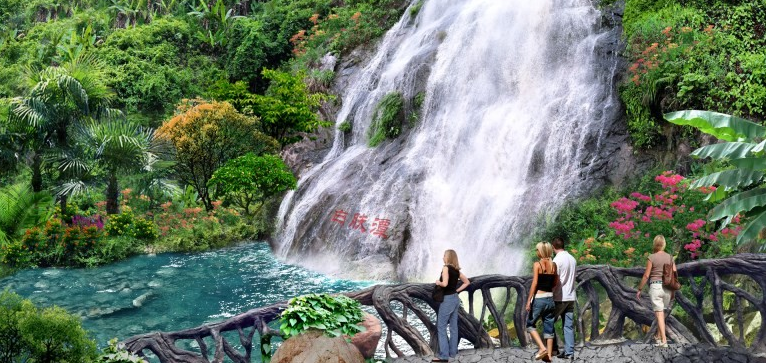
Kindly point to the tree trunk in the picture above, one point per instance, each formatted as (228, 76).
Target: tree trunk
(112, 207)
(63, 204)
(37, 176)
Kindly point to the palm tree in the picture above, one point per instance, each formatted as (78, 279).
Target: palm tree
(60, 98)
(117, 147)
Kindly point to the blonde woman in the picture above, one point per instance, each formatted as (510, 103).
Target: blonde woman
(658, 294)
(449, 308)
(540, 304)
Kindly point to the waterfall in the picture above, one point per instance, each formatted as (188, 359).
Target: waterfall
(519, 100)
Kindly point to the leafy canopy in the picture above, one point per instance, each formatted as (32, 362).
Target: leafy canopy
(49, 335)
(205, 135)
(252, 179)
(287, 108)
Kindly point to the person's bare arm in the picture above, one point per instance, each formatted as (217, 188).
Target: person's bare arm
(647, 272)
(533, 288)
(445, 277)
(465, 284)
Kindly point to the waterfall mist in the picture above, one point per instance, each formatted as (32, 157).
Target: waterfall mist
(519, 98)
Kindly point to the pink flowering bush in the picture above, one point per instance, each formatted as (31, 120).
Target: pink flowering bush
(677, 212)
(618, 228)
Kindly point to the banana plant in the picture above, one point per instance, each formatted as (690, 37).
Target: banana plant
(740, 189)
(216, 20)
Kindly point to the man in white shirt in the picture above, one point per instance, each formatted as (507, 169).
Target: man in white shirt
(564, 295)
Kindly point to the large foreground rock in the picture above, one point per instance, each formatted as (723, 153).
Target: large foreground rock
(315, 347)
(367, 341)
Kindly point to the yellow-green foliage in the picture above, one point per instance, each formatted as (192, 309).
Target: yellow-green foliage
(207, 134)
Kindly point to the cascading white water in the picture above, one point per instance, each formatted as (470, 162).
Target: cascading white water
(517, 100)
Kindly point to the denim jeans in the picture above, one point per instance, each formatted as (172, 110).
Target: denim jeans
(542, 309)
(565, 309)
(448, 313)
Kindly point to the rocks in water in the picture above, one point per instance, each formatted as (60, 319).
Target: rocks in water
(154, 284)
(139, 301)
(367, 341)
(315, 347)
(52, 272)
(166, 271)
(41, 285)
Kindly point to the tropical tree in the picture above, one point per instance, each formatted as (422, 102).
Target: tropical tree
(47, 335)
(287, 108)
(251, 179)
(205, 135)
(60, 97)
(216, 20)
(740, 188)
(115, 147)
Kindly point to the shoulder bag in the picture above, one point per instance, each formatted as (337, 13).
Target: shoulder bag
(670, 277)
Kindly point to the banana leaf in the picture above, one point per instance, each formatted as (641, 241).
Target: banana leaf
(722, 126)
(730, 178)
(739, 203)
(726, 150)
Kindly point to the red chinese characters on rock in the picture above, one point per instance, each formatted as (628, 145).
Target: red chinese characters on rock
(358, 222)
(378, 228)
(339, 216)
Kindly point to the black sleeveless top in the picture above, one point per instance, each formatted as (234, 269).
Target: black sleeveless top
(545, 282)
(454, 276)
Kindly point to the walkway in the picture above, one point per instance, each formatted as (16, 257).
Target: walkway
(626, 353)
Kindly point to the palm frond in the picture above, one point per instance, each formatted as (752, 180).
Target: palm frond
(71, 188)
(20, 208)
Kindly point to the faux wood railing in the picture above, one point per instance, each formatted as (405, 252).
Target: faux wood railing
(710, 285)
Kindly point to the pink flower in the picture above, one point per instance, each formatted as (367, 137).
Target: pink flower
(624, 205)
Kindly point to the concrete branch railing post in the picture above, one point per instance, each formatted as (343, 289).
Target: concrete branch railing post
(702, 301)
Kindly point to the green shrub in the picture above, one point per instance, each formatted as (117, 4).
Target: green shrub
(121, 224)
(250, 180)
(335, 316)
(415, 9)
(387, 121)
(115, 249)
(419, 99)
(345, 126)
(696, 55)
(49, 335)
(145, 229)
(15, 254)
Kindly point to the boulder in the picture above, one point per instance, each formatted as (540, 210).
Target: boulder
(315, 347)
(367, 341)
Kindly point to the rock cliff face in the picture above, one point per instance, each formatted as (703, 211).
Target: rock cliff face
(520, 113)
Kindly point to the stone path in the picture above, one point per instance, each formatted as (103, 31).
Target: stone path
(625, 353)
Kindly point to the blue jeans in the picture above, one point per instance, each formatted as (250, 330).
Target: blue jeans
(566, 309)
(542, 309)
(448, 313)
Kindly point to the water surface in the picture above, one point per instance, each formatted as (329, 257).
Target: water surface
(170, 292)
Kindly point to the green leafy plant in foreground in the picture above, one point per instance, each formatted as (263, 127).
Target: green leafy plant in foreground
(335, 315)
(745, 149)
